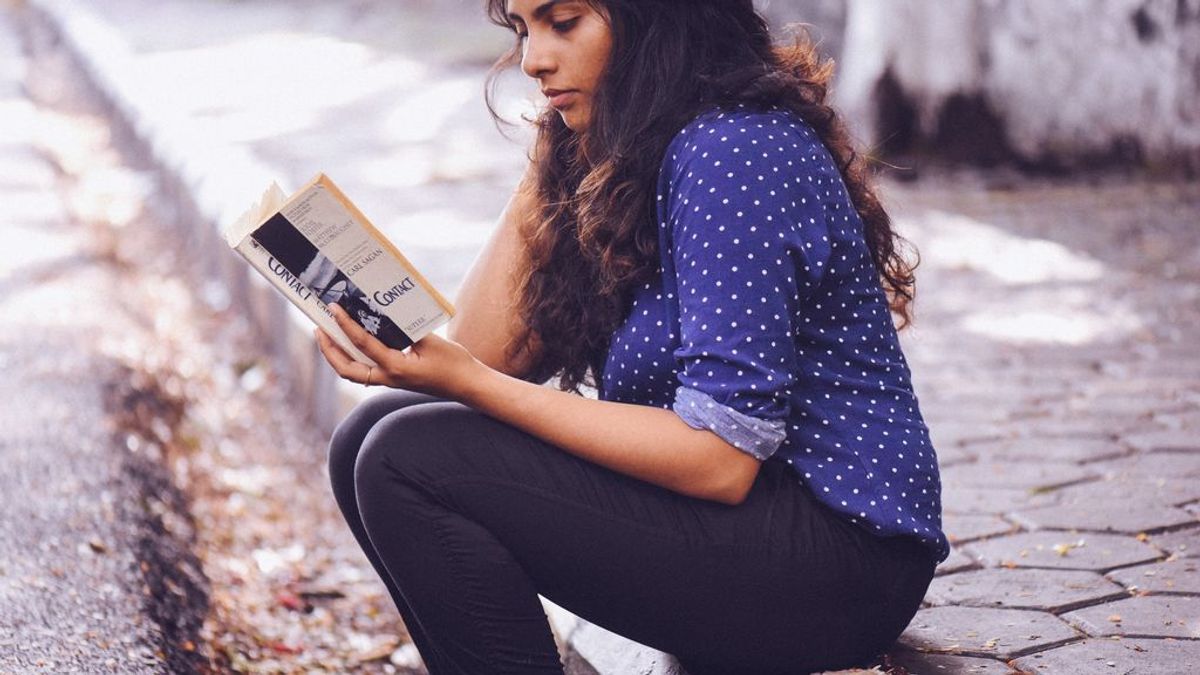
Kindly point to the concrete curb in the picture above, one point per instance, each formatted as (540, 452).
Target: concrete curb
(199, 182)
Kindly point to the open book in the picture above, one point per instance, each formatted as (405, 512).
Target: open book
(317, 248)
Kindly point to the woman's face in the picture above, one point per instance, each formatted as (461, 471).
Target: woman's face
(565, 46)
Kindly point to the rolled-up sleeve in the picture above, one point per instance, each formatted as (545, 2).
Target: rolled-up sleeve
(749, 243)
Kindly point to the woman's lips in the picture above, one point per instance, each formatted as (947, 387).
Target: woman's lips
(561, 99)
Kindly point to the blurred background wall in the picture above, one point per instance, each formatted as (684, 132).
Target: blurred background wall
(1043, 84)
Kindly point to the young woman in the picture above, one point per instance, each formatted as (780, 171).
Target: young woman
(754, 490)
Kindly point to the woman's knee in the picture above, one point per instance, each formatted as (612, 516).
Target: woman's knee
(347, 438)
(420, 444)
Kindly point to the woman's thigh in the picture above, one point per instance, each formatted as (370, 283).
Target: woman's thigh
(778, 581)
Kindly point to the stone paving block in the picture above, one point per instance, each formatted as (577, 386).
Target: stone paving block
(1158, 387)
(1170, 491)
(1037, 448)
(1166, 440)
(1152, 465)
(1129, 516)
(1181, 575)
(947, 435)
(961, 528)
(920, 663)
(1026, 475)
(1140, 407)
(1167, 616)
(1076, 426)
(956, 561)
(1182, 543)
(1062, 550)
(1187, 420)
(953, 455)
(1047, 590)
(1060, 421)
(983, 631)
(969, 499)
(1106, 655)
(1169, 366)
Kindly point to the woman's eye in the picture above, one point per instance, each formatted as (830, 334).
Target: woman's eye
(564, 26)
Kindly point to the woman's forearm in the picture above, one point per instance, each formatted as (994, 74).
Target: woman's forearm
(485, 318)
(649, 443)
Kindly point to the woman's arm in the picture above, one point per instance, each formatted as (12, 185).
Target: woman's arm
(646, 442)
(486, 319)
(649, 443)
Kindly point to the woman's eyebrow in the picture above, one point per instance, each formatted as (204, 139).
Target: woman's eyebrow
(538, 13)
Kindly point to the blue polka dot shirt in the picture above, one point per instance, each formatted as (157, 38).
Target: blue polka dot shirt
(769, 327)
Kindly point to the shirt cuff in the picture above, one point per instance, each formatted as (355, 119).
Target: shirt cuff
(756, 437)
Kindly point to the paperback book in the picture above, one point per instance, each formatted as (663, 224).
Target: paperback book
(317, 249)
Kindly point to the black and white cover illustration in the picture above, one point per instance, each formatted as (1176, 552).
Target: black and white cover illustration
(302, 260)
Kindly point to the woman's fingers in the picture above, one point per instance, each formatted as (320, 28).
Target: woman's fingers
(342, 364)
(369, 344)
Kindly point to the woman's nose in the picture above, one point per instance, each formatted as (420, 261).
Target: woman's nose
(537, 60)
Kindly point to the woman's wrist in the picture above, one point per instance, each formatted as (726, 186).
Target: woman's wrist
(477, 383)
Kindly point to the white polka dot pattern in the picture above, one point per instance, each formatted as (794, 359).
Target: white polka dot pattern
(769, 326)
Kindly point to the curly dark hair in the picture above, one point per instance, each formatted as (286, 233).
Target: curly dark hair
(593, 236)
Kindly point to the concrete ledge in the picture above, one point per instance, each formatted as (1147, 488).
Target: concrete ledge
(604, 652)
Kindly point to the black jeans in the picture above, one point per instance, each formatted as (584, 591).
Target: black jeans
(468, 519)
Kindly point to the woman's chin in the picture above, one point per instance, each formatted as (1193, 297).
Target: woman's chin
(573, 120)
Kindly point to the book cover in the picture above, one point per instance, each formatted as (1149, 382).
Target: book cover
(317, 248)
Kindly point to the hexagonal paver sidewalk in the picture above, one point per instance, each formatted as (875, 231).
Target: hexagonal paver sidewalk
(1165, 440)
(1166, 616)
(1105, 655)
(1179, 575)
(1183, 543)
(919, 663)
(961, 528)
(980, 631)
(1062, 550)
(1057, 449)
(964, 499)
(1168, 491)
(1026, 475)
(1165, 465)
(1129, 516)
(1047, 590)
(957, 562)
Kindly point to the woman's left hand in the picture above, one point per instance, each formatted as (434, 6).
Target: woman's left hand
(434, 365)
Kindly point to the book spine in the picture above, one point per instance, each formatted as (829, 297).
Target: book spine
(299, 295)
